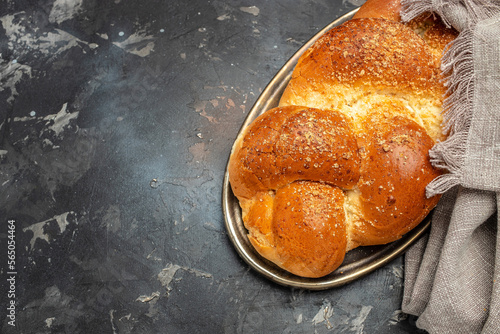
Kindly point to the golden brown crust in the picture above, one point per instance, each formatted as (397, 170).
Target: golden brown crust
(352, 188)
(309, 228)
(433, 31)
(364, 55)
(395, 171)
(428, 26)
(384, 9)
(287, 169)
(301, 228)
(343, 161)
(295, 143)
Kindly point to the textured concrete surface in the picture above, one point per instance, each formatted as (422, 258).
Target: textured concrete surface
(116, 122)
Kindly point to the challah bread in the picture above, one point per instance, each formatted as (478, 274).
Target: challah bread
(343, 160)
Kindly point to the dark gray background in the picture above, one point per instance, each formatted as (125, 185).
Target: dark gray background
(116, 121)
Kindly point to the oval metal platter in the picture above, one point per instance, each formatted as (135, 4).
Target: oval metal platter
(358, 262)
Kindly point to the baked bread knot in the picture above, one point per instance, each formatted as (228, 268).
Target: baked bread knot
(343, 160)
(312, 185)
(364, 60)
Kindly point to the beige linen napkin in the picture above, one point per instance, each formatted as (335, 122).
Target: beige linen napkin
(452, 276)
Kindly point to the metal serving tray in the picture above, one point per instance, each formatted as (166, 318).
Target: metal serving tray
(358, 262)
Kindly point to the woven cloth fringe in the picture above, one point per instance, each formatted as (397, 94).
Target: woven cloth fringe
(457, 65)
(458, 68)
(472, 11)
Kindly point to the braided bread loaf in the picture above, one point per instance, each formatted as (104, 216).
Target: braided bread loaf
(343, 160)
